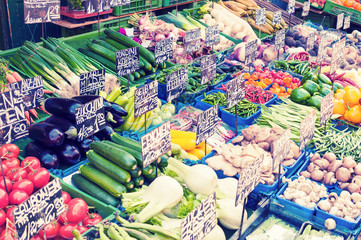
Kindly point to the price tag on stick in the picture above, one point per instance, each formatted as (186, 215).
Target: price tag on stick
(192, 40)
(145, 98)
(321, 55)
(260, 16)
(291, 6)
(340, 20)
(206, 124)
(208, 68)
(91, 83)
(277, 17)
(201, 221)
(212, 35)
(127, 61)
(176, 83)
(163, 50)
(347, 22)
(41, 11)
(310, 41)
(307, 129)
(338, 52)
(280, 39)
(306, 9)
(251, 52)
(281, 148)
(39, 210)
(235, 91)
(91, 6)
(326, 108)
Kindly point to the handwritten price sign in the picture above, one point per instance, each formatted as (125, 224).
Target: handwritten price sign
(41, 11)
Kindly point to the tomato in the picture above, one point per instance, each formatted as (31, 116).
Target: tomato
(6, 169)
(9, 213)
(17, 196)
(36, 237)
(58, 237)
(39, 177)
(12, 163)
(9, 151)
(66, 197)
(26, 185)
(51, 230)
(62, 218)
(30, 163)
(17, 174)
(9, 185)
(4, 199)
(66, 231)
(82, 229)
(77, 210)
(8, 234)
(92, 219)
(2, 217)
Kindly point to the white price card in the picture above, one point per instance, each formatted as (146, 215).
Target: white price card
(291, 6)
(192, 40)
(235, 90)
(338, 54)
(340, 20)
(321, 54)
(145, 98)
(41, 11)
(163, 50)
(277, 17)
(326, 108)
(307, 129)
(176, 83)
(311, 39)
(260, 16)
(347, 22)
(281, 148)
(280, 39)
(251, 52)
(208, 68)
(206, 124)
(212, 35)
(306, 8)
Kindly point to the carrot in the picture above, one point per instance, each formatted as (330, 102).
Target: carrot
(48, 92)
(17, 76)
(42, 108)
(10, 78)
(27, 116)
(34, 113)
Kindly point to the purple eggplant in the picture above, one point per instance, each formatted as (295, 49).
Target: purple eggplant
(46, 134)
(84, 145)
(117, 109)
(87, 98)
(64, 125)
(114, 120)
(63, 107)
(105, 133)
(47, 157)
(69, 153)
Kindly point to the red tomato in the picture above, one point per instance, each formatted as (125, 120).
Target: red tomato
(66, 197)
(17, 196)
(62, 218)
(92, 219)
(58, 237)
(82, 229)
(9, 213)
(2, 217)
(26, 185)
(8, 234)
(77, 210)
(36, 237)
(30, 163)
(39, 177)
(6, 169)
(12, 163)
(51, 230)
(9, 185)
(66, 231)
(4, 199)
(9, 151)
(16, 174)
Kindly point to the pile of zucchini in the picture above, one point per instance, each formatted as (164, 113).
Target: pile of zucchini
(115, 167)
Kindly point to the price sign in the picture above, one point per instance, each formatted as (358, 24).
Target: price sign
(127, 61)
(321, 55)
(347, 22)
(208, 68)
(155, 143)
(251, 52)
(104, 5)
(306, 8)
(291, 6)
(201, 221)
(90, 118)
(338, 52)
(212, 35)
(248, 179)
(38, 210)
(91, 83)
(260, 16)
(163, 50)
(280, 39)
(206, 124)
(193, 40)
(176, 83)
(145, 98)
(277, 17)
(307, 129)
(31, 91)
(340, 20)
(94, 6)
(235, 90)
(310, 41)
(41, 11)
(12, 117)
(116, 3)
(281, 148)
(326, 108)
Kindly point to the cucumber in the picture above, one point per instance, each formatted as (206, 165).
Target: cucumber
(127, 142)
(152, 176)
(105, 44)
(130, 185)
(138, 182)
(136, 154)
(94, 190)
(148, 170)
(142, 73)
(135, 173)
(108, 167)
(120, 157)
(136, 74)
(102, 180)
(163, 162)
(105, 52)
(131, 77)
(107, 63)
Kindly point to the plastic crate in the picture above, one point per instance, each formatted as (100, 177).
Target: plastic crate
(230, 119)
(202, 105)
(136, 6)
(112, 23)
(166, 3)
(335, 9)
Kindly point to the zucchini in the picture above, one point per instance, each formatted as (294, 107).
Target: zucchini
(136, 75)
(120, 157)
(148, 55)
(127, 142)
(108, 167)
(130, 185)
(105, 52)
(163, 162)
(94, 190)
(105, 44)
(107, 63)
(135, 173)
(131, 77)
(142, 73)
(148, 170)
(152, 176)
(102, 180)
(138, 182)
(136, 154)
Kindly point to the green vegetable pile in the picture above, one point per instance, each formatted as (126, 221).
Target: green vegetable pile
(296, 66)
(245, 109)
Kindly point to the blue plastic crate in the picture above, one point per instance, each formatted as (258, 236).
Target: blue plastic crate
(230, 119)
(299, 162)
(204, 106)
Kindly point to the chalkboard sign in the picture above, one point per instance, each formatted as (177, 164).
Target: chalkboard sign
(235, 90)
(38, 210)
(212, 35)
(347, 22)
(127, 61)
(155, 143)
(90, 118)
(91, 83)
(145, 98)
(277, 17)
(163, 50)
(13, 124)
(208, 68)
(41, 11)
(281, 148)
(176, 83)
(338, 54)
(321, 55)
(310, 41)
(280, 39)
(251, 52)
(248, 179)
(306, 8)
(307, 129)
(206, 124)
(260, 16)
(31, 91)
(326, 108)
(201, 221)
(94, 6)
(116, 3)
(192, 40)
(291, 6)
(340, 20)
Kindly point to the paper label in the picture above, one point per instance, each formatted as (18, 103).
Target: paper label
(208, 68)
(127, 61)
(91, 83)
(310, 41)
(235, 91)
(340, 20)
(306, 8)
(281, 148)
(212, 35)
(176, 83)
(163, 50)
(145, 98)
(251, 52)
(291, 6)
(307, 129)
(326, 108)
(260, 16)
(206, 124)
(338, 54)
(280, 39)
(277, 16)
(192, 40)
(347, 22)
(321, 55)
(41, 11)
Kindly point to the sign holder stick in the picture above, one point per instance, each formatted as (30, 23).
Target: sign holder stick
(205, 148)
(98, 26)
(235, 118)
(2, 171)
(145, 123)
(42, 30)
(279, 176)
(289, 20)
(44, 234)
(128, 80)
(192, 8)
(240, 228)
(259, 32)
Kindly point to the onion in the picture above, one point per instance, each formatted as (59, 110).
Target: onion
(141, 20)
(122, 31)
(159, 37)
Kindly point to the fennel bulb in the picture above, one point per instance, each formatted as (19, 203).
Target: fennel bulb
(216, 234)
(227, 188)
(198, 178)
(228, 214)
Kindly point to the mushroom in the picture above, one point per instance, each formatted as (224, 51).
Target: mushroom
(357, 169)
(349, 163)
(311, 167)
(317, 175)
(324, 205)
(329, 178)
(353, 188)
(343, 174)
(333, 210)
(358, 205)
(315, 157)
(332, 197)
(305, 188)
(330, 156)
(306, 174)
(356, 197)
(343, 185)
(357, 179)
(322, 163)
(345, 195)
(330, 224)
(334, 165)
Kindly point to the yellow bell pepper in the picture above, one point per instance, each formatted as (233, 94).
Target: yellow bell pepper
(182, 134)
(185, 143)
(192, 157)
(197, 152)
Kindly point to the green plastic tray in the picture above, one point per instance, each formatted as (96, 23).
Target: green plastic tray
(167, 3)
(335, 9)
(136, 6)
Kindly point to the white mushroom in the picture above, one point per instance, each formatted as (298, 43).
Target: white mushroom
(324, 205)
(345, 195)
(330, 224)
(356, 197)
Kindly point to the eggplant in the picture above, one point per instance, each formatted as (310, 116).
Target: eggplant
(47, 134)
(47, 157)
(69, 153)
(64, 125)
(114, 120)
(105, 133)
(63, 107)
(84, 145)
(117, 109)
(87, 98)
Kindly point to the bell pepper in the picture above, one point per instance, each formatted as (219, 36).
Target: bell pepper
(300, 95)
(353, 114)
(324, 91)
(311, 87)
(324, 79)
(315, 101)
(352, 95)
